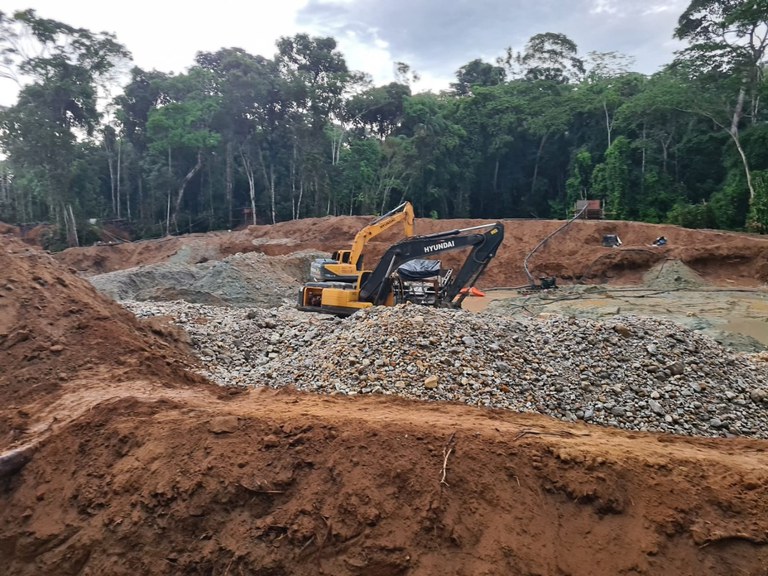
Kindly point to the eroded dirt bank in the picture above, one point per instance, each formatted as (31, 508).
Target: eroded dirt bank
(575, 253)
(283, 483)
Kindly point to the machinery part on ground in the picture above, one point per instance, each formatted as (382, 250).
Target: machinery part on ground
(611, 241)
(344, 265)
(390, 283)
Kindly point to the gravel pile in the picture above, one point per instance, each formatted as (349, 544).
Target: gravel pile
(634, 373)
(251, 279)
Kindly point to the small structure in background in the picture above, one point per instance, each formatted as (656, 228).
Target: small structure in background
(611, 241)
(589, 209)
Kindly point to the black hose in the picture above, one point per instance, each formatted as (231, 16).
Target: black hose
(546, 239)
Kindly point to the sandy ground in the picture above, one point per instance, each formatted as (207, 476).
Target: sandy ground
(116, 459)
(735, 318)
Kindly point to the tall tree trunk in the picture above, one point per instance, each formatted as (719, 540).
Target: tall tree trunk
(117, 180)
(536, 163)
(168, 209)
(665, 153)
(734, 133)
(301, 195)
(272, 191)
(112, 187)
(745, 162)
(74, 226)
(269, 182)
(608, 124)
(184, 182)
(142, 209)
(293, 182)
(643, 162)
(230, 185)
(251, 183)
(168, 216)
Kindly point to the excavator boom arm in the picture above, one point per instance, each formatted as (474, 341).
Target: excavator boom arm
(402, 213)
(376, 287)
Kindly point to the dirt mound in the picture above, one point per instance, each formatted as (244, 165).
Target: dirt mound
(280, 483)
(54, 327)
(671, 275)
(8, 229)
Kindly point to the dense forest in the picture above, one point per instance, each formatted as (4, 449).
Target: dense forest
(241, 138)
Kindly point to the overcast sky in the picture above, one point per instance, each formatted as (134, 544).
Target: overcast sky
(435, 37)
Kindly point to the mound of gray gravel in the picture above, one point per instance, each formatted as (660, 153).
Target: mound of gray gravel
(251, 279)
(629, 372)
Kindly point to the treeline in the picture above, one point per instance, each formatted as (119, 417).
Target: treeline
(240, 138)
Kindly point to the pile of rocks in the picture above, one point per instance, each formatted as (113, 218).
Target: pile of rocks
(250, 279)
(629, 372)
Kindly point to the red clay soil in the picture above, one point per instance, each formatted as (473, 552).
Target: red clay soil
(130, 465)
(574, 255)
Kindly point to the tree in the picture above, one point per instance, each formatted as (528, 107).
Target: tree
(146, 91)
(548, 56)
(317, 79)
(183, 127)
(319, 72)
(611, 180)
(65, 67)
(380, 109)
(728, 43)
(404, 74)
(477, 73)
(577, 184)
(602, 65)
(245, 85)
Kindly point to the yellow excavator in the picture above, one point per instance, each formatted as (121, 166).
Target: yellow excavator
(345, 265)
(407, 272)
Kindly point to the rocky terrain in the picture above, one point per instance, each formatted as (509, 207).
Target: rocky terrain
(401, 441)
(629, 372)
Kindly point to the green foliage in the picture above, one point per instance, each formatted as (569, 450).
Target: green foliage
(182, 125)
(758, 212)
(298, 134)
(477, 73)
(577, 185)
(611, 181)
(731, 202)
(692, 215)
(379, 109)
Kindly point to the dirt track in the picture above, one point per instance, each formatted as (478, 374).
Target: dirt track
(137, 466)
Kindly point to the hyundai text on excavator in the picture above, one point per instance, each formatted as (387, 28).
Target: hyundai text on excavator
(404, 275)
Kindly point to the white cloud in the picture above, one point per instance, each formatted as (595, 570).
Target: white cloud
(603, 7)
(371, 57)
